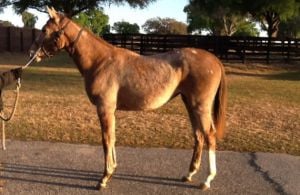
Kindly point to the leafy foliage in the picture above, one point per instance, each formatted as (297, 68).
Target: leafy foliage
(247, 28)
(5, 23)
(218, 17)
(164, 26)
(126, 27)
(93, 19)
(225, 17)
(290, 28)
(73, 7)
(29, 19)
(3, 4)
(271, 12)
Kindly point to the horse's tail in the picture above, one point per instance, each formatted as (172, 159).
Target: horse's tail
(220, 103)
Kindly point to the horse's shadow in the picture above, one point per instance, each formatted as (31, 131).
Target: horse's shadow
(62, 176)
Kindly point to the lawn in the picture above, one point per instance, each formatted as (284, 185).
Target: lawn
(263, 110)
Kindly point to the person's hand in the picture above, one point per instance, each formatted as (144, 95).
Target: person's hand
(17, 72)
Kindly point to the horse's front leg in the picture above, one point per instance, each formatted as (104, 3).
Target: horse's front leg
(107, 120)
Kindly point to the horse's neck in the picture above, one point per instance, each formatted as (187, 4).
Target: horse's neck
(87, 50)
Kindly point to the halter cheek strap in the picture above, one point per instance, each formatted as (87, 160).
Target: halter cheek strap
(72, 49)
(61, 32)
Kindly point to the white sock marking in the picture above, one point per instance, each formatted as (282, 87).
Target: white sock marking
(212, 167)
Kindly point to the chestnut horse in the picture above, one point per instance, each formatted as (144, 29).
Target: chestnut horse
(119, 79)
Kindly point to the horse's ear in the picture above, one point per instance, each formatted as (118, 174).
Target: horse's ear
(50, 12)
(53, 14)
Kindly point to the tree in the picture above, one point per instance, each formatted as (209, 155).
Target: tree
(164, 26)
(3, 4)
(73, 7)
(126, 28)
(271, 12)
(247, 28)
(218, 17)
(290, 28)
(106, 29)
(5, 23)
(29, 19)
(94, 19)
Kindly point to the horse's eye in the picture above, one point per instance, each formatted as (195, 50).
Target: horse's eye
(44, 30)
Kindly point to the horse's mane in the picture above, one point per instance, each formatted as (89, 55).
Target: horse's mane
(97, 38)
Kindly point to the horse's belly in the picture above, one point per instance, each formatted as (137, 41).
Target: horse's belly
(158, 100)
(145, 99)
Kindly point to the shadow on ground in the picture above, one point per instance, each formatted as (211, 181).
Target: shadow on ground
(62, 176)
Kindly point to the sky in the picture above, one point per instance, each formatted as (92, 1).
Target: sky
(160, 8)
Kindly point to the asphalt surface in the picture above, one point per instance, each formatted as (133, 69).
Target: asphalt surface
(58, 168)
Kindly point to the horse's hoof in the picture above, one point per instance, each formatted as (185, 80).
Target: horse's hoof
(186, 179)
(101, 186)
(204, 187)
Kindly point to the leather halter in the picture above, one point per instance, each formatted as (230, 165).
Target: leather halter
(74, 42)
(58, 34)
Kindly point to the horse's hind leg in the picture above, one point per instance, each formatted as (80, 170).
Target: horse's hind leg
(107, 120)
(210, 138)
(198, 145)
(203, 127)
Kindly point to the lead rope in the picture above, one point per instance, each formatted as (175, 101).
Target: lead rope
(11, 115)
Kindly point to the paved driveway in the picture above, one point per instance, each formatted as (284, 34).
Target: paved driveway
(58, 168)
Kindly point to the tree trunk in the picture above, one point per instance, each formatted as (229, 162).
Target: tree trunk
(273, 21)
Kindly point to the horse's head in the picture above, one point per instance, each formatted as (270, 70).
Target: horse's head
(52, 38)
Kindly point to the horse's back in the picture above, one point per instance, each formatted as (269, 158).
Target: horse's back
(148, 82)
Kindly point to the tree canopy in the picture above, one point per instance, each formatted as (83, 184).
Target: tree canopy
(246, 28)
(225, 17)
(29, 19)
(126, 27)
(3, 3)
(218, 17)
(94, 19)
(164, 26)
(5, 23)
(72, 7)
(290, 28)
(271, 12)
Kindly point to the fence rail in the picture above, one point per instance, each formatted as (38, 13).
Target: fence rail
(13, 39)
(227, 48)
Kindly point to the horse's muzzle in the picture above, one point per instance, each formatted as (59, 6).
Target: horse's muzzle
(31, 53)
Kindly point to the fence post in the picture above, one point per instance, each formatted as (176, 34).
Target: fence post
(244, 50)
(268, 50)
(141, 44)
(131, 42)
(33, 35)
(288, 50)
(165, 43)
(8, 43)
(21, 41)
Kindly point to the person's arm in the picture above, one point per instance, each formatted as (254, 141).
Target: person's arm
(8, 77)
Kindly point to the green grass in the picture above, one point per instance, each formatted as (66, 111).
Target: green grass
(263, 111)
(268, 88)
